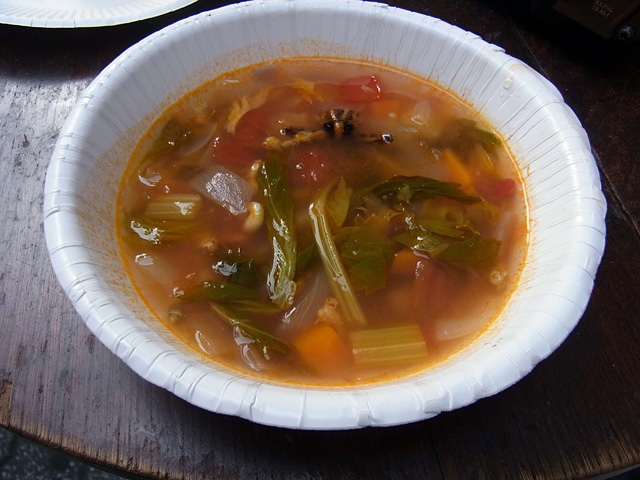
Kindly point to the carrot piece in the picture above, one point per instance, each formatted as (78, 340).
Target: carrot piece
(384, 108)
(322, 349)
(457, 169)
(405, 262)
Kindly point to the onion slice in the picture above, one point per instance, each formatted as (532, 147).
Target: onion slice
(198, 141)
(226, 188)
(309, 300)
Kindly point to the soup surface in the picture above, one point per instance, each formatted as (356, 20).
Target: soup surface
(323, 222)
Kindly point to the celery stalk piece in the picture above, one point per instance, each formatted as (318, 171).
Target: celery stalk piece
(338, 280)
(173, 206)
(161, 231)
(389, 345)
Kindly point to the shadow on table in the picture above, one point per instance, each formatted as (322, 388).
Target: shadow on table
(22, 459)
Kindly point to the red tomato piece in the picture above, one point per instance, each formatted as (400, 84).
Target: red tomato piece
(361, 90)
(251, 127)
(229, 151)
(242, 148)
(310, 166)
(496, 190)
(504, 188)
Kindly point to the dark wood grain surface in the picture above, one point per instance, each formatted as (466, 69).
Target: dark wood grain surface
(577, 415)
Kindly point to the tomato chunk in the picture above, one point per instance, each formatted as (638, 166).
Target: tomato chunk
(250, 128)
(243, 147)
(495, 190)
(310, 166)
(361, 90)
(504, 188)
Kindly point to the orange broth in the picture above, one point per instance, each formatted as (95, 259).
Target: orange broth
(323, 222)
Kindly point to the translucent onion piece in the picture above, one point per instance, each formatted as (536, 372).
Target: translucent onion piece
(451, 329)
(224, 187)
(198, 141)
(310, 299)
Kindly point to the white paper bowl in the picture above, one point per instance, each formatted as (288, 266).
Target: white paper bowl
(567, 206)
(83, 13)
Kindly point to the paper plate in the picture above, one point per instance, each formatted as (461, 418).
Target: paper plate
(83, 13)
(567, 207)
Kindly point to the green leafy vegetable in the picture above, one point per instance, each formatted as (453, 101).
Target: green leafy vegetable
(338, 280)
(239, 272)
(404, 193)
(250, 329)
(368, 269)
(216, 292)
(475, 252)
(367, 253)
(483, 136)
(305, 258)
(466, 251)
(456, 243)
(422, 241)
(255, 307)
(470, 130)
(449, 214)
(173, 135)
(276, 198)
(449, 229)
(240, 298)
(403, 188)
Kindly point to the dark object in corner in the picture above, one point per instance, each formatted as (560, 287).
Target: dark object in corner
(610, 19)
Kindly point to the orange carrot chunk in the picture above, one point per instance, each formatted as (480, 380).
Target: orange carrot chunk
(457, 169)
(322, 349)
(384, 108)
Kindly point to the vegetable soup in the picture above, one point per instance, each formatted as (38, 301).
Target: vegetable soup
(323, 222)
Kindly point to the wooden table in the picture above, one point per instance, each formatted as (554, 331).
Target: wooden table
(576, 416)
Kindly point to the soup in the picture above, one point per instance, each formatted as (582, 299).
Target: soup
(323, 222)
